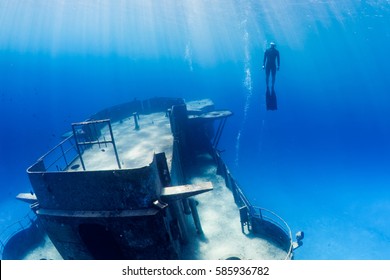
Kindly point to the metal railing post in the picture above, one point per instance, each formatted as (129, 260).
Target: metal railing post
(136, 121)
(78, 147)
(113, 144)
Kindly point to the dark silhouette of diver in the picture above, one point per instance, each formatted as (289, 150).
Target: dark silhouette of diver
(271, 56)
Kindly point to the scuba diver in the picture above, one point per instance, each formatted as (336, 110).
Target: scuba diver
(271, 56)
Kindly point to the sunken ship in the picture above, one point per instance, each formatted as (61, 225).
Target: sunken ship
(145, 180)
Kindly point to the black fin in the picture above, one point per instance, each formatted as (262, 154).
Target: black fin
(270, 98)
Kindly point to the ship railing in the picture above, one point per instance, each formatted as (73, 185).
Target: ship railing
(15, 228)
(262, 214)
(59, 158)
(84, 136)
(252, 213)
(272, 217)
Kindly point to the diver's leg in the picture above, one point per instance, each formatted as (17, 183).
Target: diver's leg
(273, 76)
(267, 72)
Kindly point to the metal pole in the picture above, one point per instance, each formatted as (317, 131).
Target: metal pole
(113, 144)
(217, 133)
(220, 129)
(96, 134)
(63, 154)
(78, 148)
(136, 121)
(195, 215)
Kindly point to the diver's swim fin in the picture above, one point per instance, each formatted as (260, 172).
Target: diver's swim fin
(270, 98)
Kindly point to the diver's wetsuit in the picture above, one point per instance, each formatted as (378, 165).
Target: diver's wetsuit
(269, 62)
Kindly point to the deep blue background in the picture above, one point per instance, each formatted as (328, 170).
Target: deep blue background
(321, 161)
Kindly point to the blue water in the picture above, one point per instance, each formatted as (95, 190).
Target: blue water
(321, 161)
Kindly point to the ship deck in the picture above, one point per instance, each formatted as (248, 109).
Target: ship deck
(135, 147)
(221, 224)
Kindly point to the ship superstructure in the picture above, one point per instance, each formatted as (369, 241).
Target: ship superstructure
(145, 180)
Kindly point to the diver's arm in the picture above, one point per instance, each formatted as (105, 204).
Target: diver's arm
(278, 60)
(265, 58)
